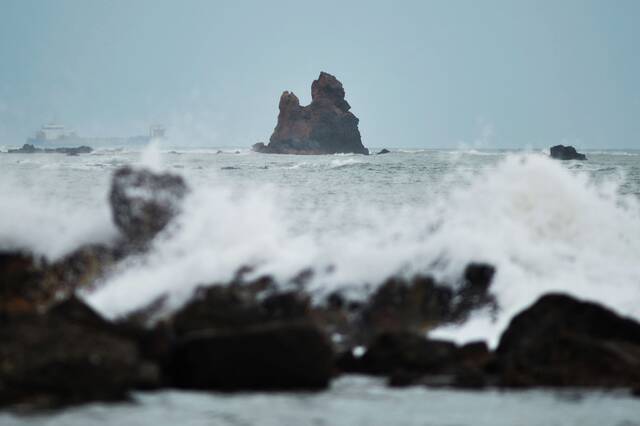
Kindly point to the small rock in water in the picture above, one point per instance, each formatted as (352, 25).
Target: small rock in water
(562, 152)
(384, 151)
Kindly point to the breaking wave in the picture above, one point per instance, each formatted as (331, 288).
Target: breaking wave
(544, 227)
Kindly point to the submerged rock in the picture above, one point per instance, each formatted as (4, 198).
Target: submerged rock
(562, 341)
(143, 202)
(562, 152)
(326, 126)
(384, 151)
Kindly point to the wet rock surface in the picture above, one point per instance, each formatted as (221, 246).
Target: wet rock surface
(420, 303)
(561, 152)
(562, 341)
(143, 202)
(326, 126)
(65, 356)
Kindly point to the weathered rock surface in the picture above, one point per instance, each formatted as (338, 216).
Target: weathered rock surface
(30, 149)
(562, 152)
(66, 356)
(143, 202)
(326, 126)
(562, 341)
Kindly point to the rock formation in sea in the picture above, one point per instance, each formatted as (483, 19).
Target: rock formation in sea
(561, 152)
(30, 149)
(326, 126)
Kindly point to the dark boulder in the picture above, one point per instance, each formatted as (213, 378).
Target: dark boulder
(20, 284)
(420, 303)
(326, 126)
(143, 202)
(561, 152)
(237, 305)
(390, 352)
(68, 355)
(409, 359)
(29, 284)
(562, 341)
(384, 151)
(272, 356)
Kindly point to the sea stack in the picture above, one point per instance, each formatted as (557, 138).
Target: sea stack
(561, 152)
(326, 126)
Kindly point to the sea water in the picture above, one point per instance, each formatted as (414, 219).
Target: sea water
(354, 220)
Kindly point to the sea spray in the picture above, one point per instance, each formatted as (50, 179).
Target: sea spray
(543, 227)
(544, 224)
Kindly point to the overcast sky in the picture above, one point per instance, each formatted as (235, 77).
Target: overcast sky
(485, 74)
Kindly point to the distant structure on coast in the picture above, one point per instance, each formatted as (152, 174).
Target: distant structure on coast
(56, 135)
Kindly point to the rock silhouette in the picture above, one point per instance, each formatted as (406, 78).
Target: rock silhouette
(561, 152)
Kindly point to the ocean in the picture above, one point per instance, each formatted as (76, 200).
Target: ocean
(354, 220)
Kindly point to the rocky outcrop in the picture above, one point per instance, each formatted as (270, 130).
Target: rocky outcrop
(67, 355)
(30, 149)
(143, 202)
(326, 126)
(562, 341)
(561, 152)
(409, 359)
(420, 303)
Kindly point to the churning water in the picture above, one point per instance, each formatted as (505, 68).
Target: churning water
(355, 220)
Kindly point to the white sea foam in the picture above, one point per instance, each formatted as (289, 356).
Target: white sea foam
(545, 228)
(33, 220)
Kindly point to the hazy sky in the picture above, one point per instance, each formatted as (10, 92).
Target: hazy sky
(418, 74)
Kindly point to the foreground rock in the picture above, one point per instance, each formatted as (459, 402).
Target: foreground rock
(30, 149)
(561, 152)
(562, 341)
(67, 356)
(143, 202)
(29, 284)
(326, 126)
(420, 303)
(272, 356)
